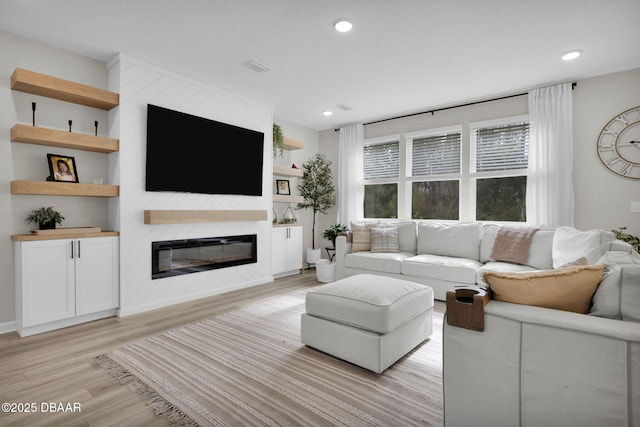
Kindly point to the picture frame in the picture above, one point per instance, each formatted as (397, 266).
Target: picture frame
(282, 187)
(62, 168)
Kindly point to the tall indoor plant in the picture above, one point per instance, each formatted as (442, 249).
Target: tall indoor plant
(316, 187)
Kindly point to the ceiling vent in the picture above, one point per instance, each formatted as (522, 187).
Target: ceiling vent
(256, 66)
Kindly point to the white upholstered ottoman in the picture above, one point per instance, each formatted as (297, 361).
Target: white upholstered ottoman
(368, 320)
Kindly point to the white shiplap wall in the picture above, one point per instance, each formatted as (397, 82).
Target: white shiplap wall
(140, 83)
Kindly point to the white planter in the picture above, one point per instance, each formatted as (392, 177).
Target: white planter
(313, 256)
(325, 271)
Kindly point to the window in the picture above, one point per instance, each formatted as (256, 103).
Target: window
(381, 178)
(456, 173)
(499, 157)
(435, 174)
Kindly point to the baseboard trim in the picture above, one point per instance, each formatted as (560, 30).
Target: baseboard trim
(8, 327)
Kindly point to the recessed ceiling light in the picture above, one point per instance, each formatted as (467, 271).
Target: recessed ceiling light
(343, 25)
(327, 113)
(573, 54)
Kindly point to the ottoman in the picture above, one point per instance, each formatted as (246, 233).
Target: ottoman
(368, 320)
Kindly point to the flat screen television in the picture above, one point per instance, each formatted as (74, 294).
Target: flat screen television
(191, 154)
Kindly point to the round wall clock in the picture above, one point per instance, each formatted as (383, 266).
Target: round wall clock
(619, 144)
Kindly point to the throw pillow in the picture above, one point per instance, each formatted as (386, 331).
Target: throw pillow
(569, 289)
(570, 244)
(384, 239)
(361, 236)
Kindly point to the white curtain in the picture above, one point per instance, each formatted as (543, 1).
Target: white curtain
(350, 174)
(549, 178)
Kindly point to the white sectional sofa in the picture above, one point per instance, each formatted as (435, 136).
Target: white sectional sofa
(445, 255)
(531, 365)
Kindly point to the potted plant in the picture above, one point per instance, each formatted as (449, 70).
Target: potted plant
(632, 240)
(278, 141)
(46, 218)
(332, 232)
(318, 192)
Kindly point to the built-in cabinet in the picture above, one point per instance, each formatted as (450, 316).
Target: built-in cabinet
(286, 250)
(65, 278)
(63, 282)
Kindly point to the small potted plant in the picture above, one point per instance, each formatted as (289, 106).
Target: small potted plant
(332, 232)
(278, 141)
(631, 239)
(46, 218)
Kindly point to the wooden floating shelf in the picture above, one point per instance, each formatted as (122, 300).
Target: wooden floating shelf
(33, 237)
(282, 198)
(65, 90)
(59, 138)
(54, 188)
(192, 216)
(292, 144)
(287, 171)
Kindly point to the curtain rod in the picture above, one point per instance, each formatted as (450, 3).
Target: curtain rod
(573, 86)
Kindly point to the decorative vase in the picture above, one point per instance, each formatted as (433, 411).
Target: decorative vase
(313, 255)
(275, 217)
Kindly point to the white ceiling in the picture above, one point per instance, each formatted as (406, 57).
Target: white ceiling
(402, 56)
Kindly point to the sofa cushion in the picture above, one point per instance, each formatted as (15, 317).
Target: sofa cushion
(539, 251)
(455, 240)
(406, 234)
(361, 236)
(569, 289)
(389, 262)
(618, 296)
(570, 244)
(619, 246)
(384, 239)
(452, 269)
(501, 267)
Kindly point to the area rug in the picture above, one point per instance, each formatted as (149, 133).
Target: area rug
(248, 368)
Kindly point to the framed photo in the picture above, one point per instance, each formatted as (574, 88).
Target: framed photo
(282, 186)
(62, 168)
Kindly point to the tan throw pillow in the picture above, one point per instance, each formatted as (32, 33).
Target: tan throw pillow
(361, 236)
(384, 239)
(569, 289)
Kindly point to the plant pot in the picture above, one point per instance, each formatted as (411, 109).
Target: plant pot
(47, 225)
(313, 256)
(325, 271)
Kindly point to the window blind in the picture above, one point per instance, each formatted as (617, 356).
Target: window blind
(502, 147)
(382, 160)
(435, 155)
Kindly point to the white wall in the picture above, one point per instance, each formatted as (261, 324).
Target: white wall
(140, 83)
(27, 161)
(602, 198)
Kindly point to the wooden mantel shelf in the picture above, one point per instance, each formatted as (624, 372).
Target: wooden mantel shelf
(191, 216)
(64, 139)
(64, 90)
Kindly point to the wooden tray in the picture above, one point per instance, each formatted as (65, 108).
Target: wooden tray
(66, 230)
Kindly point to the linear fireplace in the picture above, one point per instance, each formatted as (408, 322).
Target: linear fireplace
(176, 257)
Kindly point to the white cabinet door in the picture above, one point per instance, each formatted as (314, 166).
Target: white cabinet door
(294, 249)
(286, 249)
(96, 275)
(278, 250)
(45, 281)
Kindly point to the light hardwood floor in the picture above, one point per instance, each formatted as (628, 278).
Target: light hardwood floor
(59, 366)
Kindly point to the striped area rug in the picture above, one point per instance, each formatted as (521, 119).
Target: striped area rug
(248, 368)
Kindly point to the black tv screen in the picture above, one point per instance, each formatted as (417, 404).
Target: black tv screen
(191, 154)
